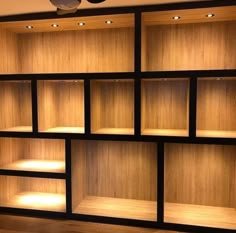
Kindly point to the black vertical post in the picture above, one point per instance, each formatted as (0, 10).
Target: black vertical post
(160, 185)
(87, 115)
(192, 107)
(68, 177)
(34, 99)
(137, 67)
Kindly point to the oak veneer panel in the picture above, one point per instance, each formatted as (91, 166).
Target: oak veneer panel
(200, 175)
(32, 154)
(104, 50)
(164, 107)
(112, 106)
(116, 170)
(61, 104)
(16, 107)
(216, 108)
(9, 52)
(199, 46)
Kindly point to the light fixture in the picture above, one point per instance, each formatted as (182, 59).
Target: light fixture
(29, 26)
(210, 15)
(108, 22)
(81, 24)
(54, 25)
(218, 79)
(176, 17)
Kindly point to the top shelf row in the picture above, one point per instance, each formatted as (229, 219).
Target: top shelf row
(194, 39)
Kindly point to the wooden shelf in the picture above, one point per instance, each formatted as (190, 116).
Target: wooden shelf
(38, 201)
(165, 132)
(200, 215)
(36, 165)
(115, 131)
(19, 129)
(117, 207)
(216, 134)
(65, 130)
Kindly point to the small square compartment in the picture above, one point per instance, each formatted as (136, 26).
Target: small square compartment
(216, 107)
(26, 154)
(115, 179)
(16, 106)
(61, 106)
(33, 193)
(200, 185)
(112, 106)
(165, 107)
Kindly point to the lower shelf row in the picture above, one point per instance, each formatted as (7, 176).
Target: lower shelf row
(119, 179)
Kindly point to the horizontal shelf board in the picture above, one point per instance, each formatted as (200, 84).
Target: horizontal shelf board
(18, 129)
(37, 201)
(126, 131)
(209, 216)
(36, 165)
(117, 207)
(216, 134)
(165, 132)
(64, 130)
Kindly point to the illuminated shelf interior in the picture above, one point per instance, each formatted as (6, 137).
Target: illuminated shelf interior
(165, 132)
(128, 131)
(19, 129)
(200, 215)
(216, 133)
(36, 165)
(119, 208)
(65, 130)
(38, 200)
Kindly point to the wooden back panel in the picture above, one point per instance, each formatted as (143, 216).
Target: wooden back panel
(200, 174)
(9, 188)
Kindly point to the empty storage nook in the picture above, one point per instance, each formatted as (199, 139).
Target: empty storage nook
(124, 117)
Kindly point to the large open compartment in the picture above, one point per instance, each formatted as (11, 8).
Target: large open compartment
(194, 39)
(16, 106)
(200, 185)
(69, 45)
(115, 179)
(28, 154)
(112, 106)
(61, 106)
(165, 107)
(216, 107)
(33, 193)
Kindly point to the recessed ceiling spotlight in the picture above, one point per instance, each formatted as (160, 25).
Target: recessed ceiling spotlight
(176, 17)
(81, 24)
(29, 26)
(210, 15)
(108, 22)
(54, 25)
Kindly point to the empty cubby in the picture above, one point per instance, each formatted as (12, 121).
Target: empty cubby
(189, 39)
(115, 179)
(61, 106)
(216, 107)
(200, 185)
(112, 106)
(72, 45)
(16, 106)
(28, 154)
(165, 107)
(33, 193)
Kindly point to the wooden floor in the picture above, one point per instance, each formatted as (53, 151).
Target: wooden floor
(17, 224)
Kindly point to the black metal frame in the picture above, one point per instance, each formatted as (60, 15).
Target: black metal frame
(137, 76)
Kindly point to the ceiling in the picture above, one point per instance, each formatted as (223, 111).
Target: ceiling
(15, 7)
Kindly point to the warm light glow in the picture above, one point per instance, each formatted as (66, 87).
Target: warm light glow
(55, 25)
(108, 22)
(218, 79)
(210, 15)
(176, 17)
(29, 27)
(81, 24)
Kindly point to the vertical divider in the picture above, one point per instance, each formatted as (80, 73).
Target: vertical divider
(34, 98)
(192, 107)
(137, 107)
(160, 185)
(87, 103)
(68, 177)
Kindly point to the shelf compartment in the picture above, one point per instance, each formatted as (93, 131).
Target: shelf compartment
(39, 155)
(114, 179)
(61, 106)
(200, 185)
(165, 107)
(16, 106)
(33, 193)
(216, 107)
(112, 106)
(193, 42)
(94, 47)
